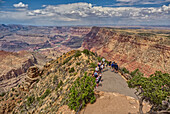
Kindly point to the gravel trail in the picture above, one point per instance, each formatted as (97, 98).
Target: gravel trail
(113, 82)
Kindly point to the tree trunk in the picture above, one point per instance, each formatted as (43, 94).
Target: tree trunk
(141, 105)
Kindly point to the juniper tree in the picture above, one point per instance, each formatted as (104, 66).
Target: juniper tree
(82, 92)
(154, 89)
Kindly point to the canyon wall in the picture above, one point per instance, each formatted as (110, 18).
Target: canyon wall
(131, 48)
(15, 38)
(13, 67)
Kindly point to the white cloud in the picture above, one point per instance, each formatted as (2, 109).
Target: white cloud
(44, 5)
(85, 10)
(87, 14)
(20, 5)
(139, 2)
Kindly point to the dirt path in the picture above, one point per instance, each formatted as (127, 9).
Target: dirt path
(113, 82)
(114, 103)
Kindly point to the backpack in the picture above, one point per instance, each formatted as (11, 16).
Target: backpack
(95, 74)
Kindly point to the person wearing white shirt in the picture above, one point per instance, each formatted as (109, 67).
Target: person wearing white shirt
(103, 60)
(97, 69)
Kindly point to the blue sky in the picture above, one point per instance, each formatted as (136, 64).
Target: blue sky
(85, 12)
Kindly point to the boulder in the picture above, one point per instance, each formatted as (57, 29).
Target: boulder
(33, 72)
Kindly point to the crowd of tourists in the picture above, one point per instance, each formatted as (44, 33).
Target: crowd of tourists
(100, 67)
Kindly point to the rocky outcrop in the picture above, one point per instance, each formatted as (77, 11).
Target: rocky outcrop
(18, 71)
(13, 67)
(32, 76)
(129, 49)
(15, 64)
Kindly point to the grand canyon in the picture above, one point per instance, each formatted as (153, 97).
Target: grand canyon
(84, 56)
(146, 49)
(31, 56)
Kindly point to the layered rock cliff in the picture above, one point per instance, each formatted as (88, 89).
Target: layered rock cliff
(20, 37)
(14, 64)
(148, 50)
(13, 67)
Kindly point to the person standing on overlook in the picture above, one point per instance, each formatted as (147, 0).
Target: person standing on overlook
(99, 64)
(103, 60)
(96, 69)
(110, 64)
(116, 68)
(102, 66)
(98, 79)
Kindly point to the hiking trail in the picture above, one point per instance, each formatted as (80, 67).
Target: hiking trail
(114, 82)
(116, 97)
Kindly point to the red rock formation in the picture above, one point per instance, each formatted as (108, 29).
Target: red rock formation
(130, 51)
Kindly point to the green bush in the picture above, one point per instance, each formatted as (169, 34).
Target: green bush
(71, 70)
(2, 94)
(81, 92)
(99, 58)
(55, 79)
(93, 65)
(75, 73)
(87, 61)
(61, 88)
(37, 80)
(30, 100)
(168, 36)
(59, 85)
(67, 60)
(86, 52)
(78, 63)
(47, 92)
(124, 70)
(13, 89)
(133, 73)
(153, 89)
(38, 98)
(107, 62)
(69, 64)
(19, 101)
(92, 53)
(17, 95)
(78, 53)
(11, 94)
